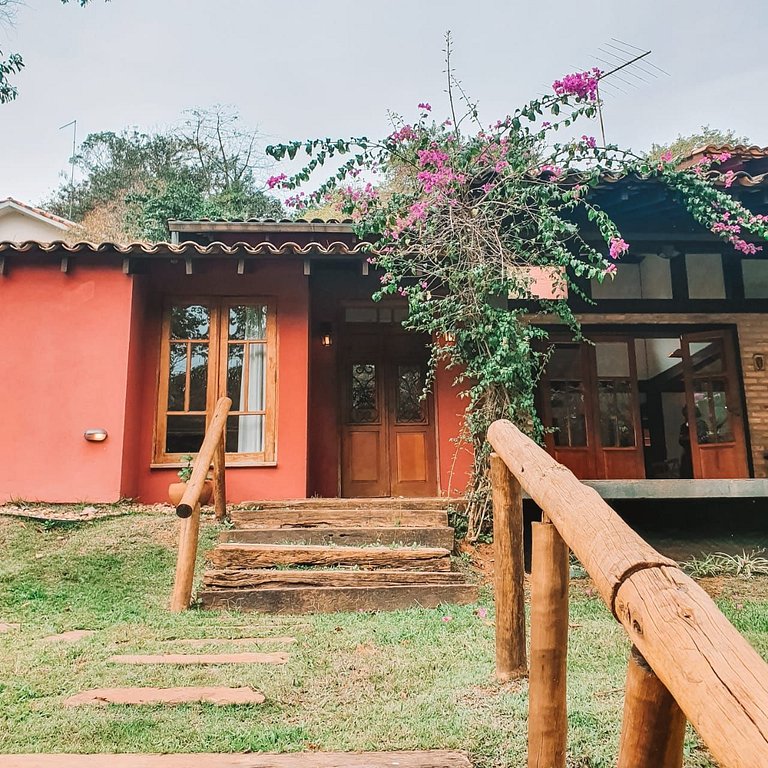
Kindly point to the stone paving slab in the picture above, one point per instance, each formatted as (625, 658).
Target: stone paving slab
(215, 694)
(201, 658)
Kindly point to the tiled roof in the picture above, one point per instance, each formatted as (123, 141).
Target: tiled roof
(18, 204)
(189, 248)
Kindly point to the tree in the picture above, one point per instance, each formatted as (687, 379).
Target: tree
(204, 168)
(478, 208)
(683, 146)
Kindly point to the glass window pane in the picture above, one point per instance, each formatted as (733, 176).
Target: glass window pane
(706, 356)
(235, 354)
(184, 434)
(410, 407)
(257, 377)
(705, 276)
(177, 377)
(617, 429)
(655, 277)
(361, 314)
(612, 359)
(198, 377)
(755, 274)
(565, 362)
(245, 434)
(246, 323)
(568, 417)
(364, 406)
(625, 285)
(190, 322)
(713, 423)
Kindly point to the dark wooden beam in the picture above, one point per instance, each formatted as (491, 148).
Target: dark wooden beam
(188, 268)
(65, 264)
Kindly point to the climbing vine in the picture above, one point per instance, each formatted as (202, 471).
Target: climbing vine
(463, 216)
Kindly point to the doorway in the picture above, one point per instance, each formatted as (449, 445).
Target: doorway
(387, 425)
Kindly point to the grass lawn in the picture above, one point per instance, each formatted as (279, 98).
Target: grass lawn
(403, 680)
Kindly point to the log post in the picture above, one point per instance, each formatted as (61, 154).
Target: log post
(509, 572)
(547, 707)
(185, 565)
(653, 728)
(219, 481)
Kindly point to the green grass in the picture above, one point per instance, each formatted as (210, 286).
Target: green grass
(400, 680)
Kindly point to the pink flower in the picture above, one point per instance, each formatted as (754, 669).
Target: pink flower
(273, 181)
(583, 85)
(482, 613)
(666, 157)
(418, 211)
(447, 618)
(617, 247)
(730, 177)
(487, 187)
(406, 133)
(500, 166)
(554, 172)
(610, 269)
(546, 124)
(425, 106)
(448, 123)
(589, 141)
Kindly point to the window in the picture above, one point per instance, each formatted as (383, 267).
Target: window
(705, 276)
(755, 273)
(212, 348)
(650, 278)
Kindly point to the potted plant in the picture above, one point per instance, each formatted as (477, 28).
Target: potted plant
(176, 490)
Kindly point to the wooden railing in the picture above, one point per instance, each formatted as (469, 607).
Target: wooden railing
(212, 451)
(687, 661)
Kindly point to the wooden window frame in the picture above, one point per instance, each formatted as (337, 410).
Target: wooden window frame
(218, 344)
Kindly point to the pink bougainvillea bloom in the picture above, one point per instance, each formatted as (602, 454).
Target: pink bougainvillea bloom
(406, 133)
(589, 141)
(666, 157)
(425, 106)
(583, 85)
(482, 613)
(447, 618)
(546, 124)
(730, 177)
(610, 269)
(273, 181)
(500, 166)
(617, 247)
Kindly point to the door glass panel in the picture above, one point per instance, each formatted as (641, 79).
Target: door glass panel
(568, 417)
(235, 355)
(410, 387)
(248, 323)
(565, 362)
(198, 377)
(190, 322)
(177, 377)
(184, 434)
(245, 433)
(713, 422)
(612, 359)
(706, 356)
(617, 428)
(364, 406)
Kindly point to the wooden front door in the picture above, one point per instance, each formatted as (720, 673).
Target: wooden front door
(590, 402)
(713, 406)
(388, 432)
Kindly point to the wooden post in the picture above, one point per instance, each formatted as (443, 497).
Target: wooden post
(509, 572)
(185, 565)
(547, 707)
(653, 728)
(219, 481)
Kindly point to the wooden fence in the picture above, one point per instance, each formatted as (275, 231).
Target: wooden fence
(687, 660)
(212, 451)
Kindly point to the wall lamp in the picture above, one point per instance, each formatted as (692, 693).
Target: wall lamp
(95, 435)
(326, 334)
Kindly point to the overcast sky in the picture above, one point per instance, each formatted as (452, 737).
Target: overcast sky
(334, 67)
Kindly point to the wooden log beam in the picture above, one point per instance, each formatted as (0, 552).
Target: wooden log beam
(185, 562)
(606, 546)
(717, 678)
(219, 480)
(509, 572)
(653, 728)
(548, 714)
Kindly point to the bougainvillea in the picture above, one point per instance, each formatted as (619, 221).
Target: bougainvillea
(459, 212)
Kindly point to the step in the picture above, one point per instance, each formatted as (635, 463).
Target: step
(386, 502)
(200, 658)
(243, 578)
(436, 758)
(439, 536)
(329, 599)
(212, 694)
(337, 517)
(234, 555)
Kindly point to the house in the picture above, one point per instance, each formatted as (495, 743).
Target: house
(133, 344)
(20, 222)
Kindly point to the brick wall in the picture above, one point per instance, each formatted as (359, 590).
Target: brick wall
(752, 331)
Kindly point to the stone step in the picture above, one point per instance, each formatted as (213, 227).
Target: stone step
(296, 600)
(243, 578)
(213, 694)
(235, 555)
(396, 502)
(440, 536)
(337, 517)
(429, 759)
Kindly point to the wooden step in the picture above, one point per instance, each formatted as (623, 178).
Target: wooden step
(213, 694)
(397, 502)
(330, 599)
(429, 759)
(310, 517)
(270, 555)
(243, 578)
(441, 536)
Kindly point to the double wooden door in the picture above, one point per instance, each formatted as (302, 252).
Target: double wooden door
(388, 429)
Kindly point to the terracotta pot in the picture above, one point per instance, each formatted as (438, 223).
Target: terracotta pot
(176, 491)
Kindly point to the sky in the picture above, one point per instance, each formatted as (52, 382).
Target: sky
(313, 68)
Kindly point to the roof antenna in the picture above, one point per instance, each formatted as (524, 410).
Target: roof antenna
(73, 123)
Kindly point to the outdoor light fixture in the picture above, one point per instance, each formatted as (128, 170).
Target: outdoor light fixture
(95, 435)
(326, 335)
(759, 362)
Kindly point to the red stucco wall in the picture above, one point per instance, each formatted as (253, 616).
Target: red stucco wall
(286, 283)
(65, 347)
(454, 454)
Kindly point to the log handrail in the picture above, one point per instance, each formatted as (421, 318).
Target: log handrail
(212, 451)
(708, 669)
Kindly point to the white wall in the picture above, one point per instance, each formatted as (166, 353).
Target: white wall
(17, 227)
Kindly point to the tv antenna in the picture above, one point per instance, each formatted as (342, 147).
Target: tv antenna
(73, 123)
(633, 64)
